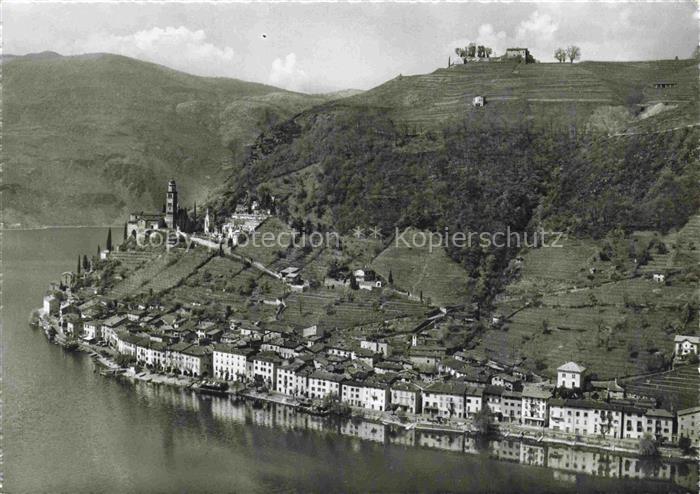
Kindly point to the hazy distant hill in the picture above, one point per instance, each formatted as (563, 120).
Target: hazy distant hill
(87, 138)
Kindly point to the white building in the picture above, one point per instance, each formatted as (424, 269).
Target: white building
(126, 343)
(406, 396)
(196, 361)
(322, 384)
(376, 346)
(352, 393)
(264, 369)
(585, 417)
(534, 411)
(92, 330)
(292, 379)
(51, 305)
(230, 363)
(375, 395)
(445, 399)
(151, 353)
(570, 376)
(478, 101)
(686, 344)
(689, 424)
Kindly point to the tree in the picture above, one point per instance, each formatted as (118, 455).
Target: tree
(109, 240)
(78, 264)
(353, 282)
(86, 263)
(573, 52)
(391, 277)
(482, 420)
(560, 55)
(99, 249)
(124, 232)
(685, 444)
(647, 446)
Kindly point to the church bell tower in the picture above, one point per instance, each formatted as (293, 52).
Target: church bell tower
(171, 206)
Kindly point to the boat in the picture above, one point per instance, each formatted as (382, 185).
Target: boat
(212, 388)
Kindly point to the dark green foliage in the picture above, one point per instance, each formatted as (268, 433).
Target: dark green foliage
(685, 443)
(477, 175)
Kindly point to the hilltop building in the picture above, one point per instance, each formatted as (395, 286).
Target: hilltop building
(518, 53)
(686, 344)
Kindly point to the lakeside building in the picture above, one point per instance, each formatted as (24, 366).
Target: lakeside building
(585, 417)
(323, 384)
(359, 371)
(406, 396)
(231, 363)
(534, 405)
(292, 378)
(689, 424)
(264, 368)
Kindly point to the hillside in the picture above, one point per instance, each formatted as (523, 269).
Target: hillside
(88, 138)
(583, 149)
(550, 93)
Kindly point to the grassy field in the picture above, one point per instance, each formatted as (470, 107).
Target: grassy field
(269, 251)
(417, 269)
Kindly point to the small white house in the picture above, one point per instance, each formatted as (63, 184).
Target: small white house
(659, 278)
(686, 344)
(478, 101)
(570, 375)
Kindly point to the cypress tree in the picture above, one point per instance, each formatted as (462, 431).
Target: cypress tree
(124, 231)
(98, 250)
(86, 263)
(109, 240)
(78, 263)
(391, 278)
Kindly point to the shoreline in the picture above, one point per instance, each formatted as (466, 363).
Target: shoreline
(523, 434)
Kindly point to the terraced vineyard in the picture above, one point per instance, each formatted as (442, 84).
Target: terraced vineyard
(549, 91)
(677, 389)
(161, 272)
(175, 273)
(343, 308)
(132, 259)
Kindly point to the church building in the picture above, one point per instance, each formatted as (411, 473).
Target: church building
(140, 223)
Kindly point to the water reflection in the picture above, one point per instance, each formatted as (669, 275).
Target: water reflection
(566, 463)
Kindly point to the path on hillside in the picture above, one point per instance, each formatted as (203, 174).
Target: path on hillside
(661, 131)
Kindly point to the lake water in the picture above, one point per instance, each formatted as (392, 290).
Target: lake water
(69, 430)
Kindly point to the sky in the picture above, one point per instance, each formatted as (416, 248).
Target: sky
(321, 47)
